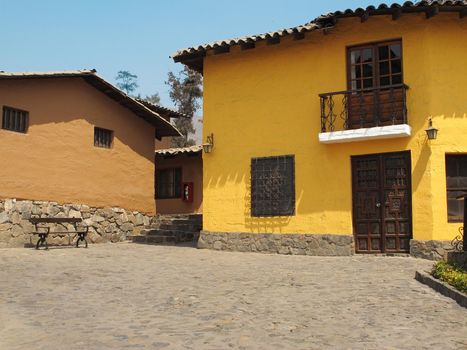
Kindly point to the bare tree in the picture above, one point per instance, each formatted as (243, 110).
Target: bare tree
(186, 92)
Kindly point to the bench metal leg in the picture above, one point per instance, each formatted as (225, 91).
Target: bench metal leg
(82, 237)
(42, 241)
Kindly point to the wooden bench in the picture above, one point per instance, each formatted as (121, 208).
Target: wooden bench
(44, 231)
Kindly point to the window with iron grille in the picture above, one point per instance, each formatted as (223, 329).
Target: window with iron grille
(273, 186)
(456, 185)
(15, 120)
(169, 183)
(103, 138)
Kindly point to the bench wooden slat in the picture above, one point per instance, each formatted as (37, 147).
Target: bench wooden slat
(54, 220)
(58, 232)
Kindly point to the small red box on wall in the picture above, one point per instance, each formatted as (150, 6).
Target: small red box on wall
(187, 195)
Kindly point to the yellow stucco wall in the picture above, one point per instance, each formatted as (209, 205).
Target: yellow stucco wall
(56, 160)
(264, 102)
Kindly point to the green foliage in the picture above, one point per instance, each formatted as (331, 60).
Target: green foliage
(185, 92)
(154, 99)
(126, 81)
(453, 275)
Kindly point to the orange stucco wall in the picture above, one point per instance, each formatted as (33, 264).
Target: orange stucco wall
(56, 160)
(165, 142)
(192, 171)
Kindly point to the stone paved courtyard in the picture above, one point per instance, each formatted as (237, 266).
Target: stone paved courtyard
(126, 296)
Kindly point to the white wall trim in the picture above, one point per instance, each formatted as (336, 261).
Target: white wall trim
(375, 133)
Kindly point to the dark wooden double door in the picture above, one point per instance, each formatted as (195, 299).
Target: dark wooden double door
(382, 204)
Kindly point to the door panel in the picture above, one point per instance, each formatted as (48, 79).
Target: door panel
(382, 202)
(366, 198)
(397, 202)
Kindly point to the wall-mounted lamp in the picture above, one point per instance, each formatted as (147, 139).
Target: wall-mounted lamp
(209, 145)
(431, 132)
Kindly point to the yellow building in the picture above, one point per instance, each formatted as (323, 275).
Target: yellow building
(320, 133)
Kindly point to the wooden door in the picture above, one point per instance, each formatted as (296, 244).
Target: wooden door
(382, 204)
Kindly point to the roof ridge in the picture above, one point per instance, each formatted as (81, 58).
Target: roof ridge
(59, 72)
(92, 78)
(158, 106)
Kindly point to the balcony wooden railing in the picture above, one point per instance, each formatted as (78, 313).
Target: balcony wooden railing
(365, 108)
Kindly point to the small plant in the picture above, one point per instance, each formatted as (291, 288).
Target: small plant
(453, 275)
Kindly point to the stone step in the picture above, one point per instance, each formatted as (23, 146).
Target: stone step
(171, 233)
(191, 217)
(179, 227)
(171, 229)
(154, 240)
(176, 221)
(162, 240)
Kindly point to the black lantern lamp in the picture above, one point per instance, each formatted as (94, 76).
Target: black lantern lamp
(209, 145)
(431, 132)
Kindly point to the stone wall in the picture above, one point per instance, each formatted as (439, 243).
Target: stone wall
(298, 244)
(105, 224)
(431, 250)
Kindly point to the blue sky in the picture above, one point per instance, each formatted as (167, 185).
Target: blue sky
(138, 35)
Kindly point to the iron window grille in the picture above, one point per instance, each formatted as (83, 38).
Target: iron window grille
(15, 120)
(456, 185)
(169, 183)
(273, 186)
(103, 138)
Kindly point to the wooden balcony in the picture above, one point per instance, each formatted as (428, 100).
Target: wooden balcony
(356, 115)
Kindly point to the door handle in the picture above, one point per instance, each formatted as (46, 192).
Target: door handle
(378, 205)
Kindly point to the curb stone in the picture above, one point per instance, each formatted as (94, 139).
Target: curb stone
(441, 287)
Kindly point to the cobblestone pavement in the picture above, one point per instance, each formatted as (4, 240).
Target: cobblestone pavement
(126, 296)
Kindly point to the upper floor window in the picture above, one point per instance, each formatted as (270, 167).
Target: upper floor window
(273, 186)
(456, 185)
(15, 120)
(375, 65)
(103, 137)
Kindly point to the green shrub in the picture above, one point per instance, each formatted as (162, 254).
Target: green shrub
(453, 275)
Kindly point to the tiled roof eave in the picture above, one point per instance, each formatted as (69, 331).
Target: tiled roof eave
(193, 56)
(179, 150)
(163, 127)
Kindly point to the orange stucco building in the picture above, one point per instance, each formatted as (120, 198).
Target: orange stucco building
(179, 180)
(71, 137)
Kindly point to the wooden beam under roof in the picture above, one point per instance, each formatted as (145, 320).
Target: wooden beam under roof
(221, 49)
(364, 16)
(247, 45)
(462, 13)
(273, 40)
(299, 35)
(431, 12)
(396, 13)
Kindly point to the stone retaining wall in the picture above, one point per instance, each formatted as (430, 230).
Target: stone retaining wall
(105, 224)
(299, 244)
(431, 250)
